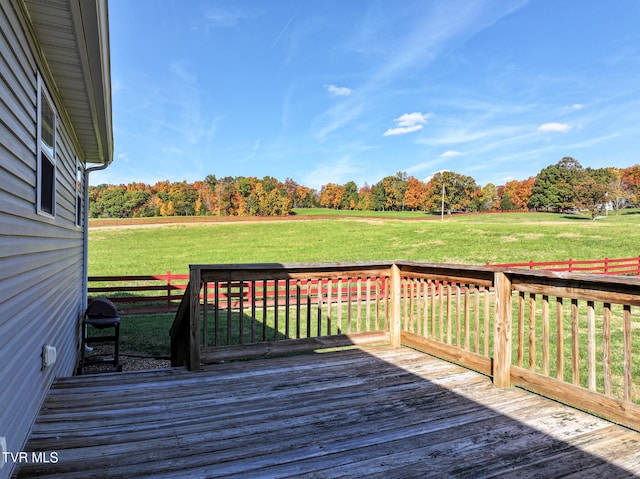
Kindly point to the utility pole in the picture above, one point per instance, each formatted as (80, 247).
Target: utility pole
(442, 209)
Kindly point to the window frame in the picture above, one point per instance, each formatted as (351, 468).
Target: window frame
(46, 197)
(79, 192)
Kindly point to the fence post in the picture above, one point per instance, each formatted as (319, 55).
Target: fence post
(395, 323)
(194, 318)
(502, 331)
(168, 289)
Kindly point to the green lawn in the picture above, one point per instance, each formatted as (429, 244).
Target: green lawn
(475, 239)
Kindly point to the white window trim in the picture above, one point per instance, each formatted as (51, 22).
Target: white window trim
(43, 92)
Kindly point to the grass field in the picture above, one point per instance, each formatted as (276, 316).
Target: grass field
(474, 239)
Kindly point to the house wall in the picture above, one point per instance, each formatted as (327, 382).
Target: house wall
(41, 258)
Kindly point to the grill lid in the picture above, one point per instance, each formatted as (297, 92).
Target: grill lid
(101, 308)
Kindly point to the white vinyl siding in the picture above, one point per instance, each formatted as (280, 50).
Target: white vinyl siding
(41, 253)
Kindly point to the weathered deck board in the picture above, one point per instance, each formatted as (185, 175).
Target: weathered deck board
(375, 412)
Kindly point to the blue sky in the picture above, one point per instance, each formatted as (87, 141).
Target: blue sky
(331, 91)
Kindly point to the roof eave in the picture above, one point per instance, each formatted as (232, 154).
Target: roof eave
(92, 31)
(72, 37)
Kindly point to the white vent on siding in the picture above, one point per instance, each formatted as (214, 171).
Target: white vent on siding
(49, 355)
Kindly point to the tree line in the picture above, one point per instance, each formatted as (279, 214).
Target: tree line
(563, 186)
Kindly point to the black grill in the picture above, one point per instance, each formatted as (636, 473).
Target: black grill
(101, 308)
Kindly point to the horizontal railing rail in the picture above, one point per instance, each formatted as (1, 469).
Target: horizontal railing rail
(567, 336)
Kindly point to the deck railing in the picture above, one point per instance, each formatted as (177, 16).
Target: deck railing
(567, 336)
(162, 292)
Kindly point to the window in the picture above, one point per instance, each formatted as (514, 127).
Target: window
(46, 195)
(79, 182)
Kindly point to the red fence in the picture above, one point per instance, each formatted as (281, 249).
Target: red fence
(162, 293)
(617, 266)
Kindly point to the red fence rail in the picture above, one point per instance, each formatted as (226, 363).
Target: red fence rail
(162, 293)
(612, 266)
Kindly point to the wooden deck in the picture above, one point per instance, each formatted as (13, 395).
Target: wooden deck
(375, 413)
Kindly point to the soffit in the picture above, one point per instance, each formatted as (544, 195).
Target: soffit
(73, 38)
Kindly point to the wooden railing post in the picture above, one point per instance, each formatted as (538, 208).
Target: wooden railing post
(194, 319)
(502, 331)
(396, 299)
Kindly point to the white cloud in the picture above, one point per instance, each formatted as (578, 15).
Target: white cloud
(577, 106)
(410, 119)
(408, 123)
(403, 130)
(450, 154)
(554, 128)
(338, 90)
(221, 17)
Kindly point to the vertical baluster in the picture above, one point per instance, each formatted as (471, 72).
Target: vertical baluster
(404, 292)
(216, 314)
(532, 332)
(449, 307)
(349, 304)
(433, 285)
(265, 310)
(276, 294)
(378, 298)
(241, 311)
(467, 309)
(487, 304)
(425, 307)
(298, 300)
(575, 341)
(229, 313)
(308, 308)
(476, 331)
(628, 379)
(368, 299)
(591, 345)
(329, 298)
(520, 358)
(319, 311)
(287, 305)
(449, 313)
(559, 339)
(545, 335)
(606, 348)
(205, 315)
(252, 285)
(458, 314)
(441, 291)
(418, 305)
(359, 310)
(339, 306)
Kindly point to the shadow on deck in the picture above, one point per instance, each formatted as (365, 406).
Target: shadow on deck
(370, 412)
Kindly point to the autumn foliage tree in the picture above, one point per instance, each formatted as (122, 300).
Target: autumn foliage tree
(563, 186)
